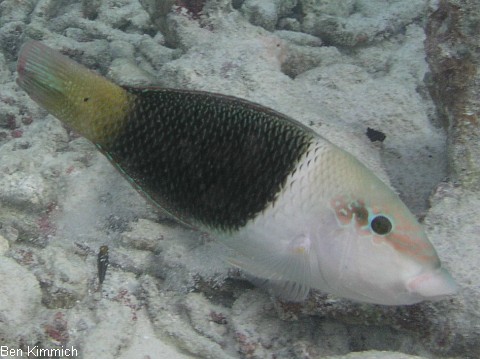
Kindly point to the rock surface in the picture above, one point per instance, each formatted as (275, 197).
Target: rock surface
(452, 51)
(339, 67)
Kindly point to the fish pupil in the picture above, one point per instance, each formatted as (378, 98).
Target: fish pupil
(381, 225)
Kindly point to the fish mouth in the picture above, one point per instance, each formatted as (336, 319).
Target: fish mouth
(433, 285)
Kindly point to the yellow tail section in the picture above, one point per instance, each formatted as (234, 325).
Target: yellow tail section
(88, 102)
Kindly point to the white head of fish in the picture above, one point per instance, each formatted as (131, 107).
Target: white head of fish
(337, 228)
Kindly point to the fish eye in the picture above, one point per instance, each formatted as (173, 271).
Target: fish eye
(381, 225)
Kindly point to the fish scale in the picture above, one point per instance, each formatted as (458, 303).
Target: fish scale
(299, 212)
(189, 174)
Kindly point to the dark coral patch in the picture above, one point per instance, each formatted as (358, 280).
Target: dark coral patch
(194, 7)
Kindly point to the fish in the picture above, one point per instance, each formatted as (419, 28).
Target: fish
(102, 263)
(298, 212)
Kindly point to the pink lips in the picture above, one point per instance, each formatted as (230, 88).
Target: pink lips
(433, 285)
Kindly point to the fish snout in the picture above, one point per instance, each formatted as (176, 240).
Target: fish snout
(433, 285)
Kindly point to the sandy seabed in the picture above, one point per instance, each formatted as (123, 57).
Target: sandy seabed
(337, 66)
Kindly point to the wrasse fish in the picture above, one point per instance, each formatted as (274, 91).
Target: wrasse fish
(299, 211)
(102, 263)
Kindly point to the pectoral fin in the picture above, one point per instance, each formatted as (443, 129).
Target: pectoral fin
(286, 273)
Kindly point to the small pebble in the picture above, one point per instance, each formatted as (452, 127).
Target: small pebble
(4, 246)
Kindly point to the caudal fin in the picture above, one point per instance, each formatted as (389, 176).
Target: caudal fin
(43, 73)
(88, 102)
